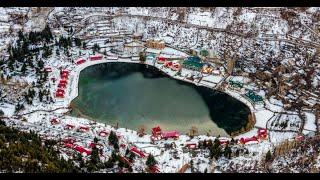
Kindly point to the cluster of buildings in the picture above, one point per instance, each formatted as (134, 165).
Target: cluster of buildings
(60, 92)
(262, 134)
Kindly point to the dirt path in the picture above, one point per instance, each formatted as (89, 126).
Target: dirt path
(52, 110)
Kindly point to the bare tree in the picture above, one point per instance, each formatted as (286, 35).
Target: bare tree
(141, 130)
(193, 131)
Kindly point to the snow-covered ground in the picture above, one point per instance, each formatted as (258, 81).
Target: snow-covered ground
(198, 29)
(8, 109)
(262, 118)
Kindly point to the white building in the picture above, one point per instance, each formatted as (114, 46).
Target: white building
(133, 48)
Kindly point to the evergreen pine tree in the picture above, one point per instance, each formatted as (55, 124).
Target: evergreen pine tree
(94, 157)
(23, 68)
(77, 42)
(46, 33)
(57, 52)
(227, 152)
(151, 161)
(132, 156)
(114, 156)
(1, 113)
(21, 36)
(95, 140)
(18, 43)
(116, 146)
(113, 139)
(142, 57)
(40, 64)
(40, 96)
(191, 166)
(215, 149)
(268, 156)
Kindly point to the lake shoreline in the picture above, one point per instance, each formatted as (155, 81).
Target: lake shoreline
(154, 72)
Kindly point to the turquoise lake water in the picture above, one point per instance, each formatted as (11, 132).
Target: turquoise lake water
(133, 95)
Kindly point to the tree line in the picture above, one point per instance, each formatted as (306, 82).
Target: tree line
(26, 152)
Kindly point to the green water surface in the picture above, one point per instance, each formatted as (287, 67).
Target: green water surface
(133, 95)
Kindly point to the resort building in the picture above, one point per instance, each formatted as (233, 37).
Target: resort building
(133, 48)
(235, 84)
(253, 97)
(207, 69)
(155, 52)
(193, 63)
(155, 44)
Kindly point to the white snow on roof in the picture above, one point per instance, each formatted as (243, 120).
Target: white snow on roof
(212, 78)
(156, 51)
(310, 122)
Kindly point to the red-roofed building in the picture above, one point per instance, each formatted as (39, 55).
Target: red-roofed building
(96, 57)
(103, 133)
(69, 140)
(168, 64)
(92, 144)
(154, 169)
(68, 145)
(69, 126)
(125, 160)
(64, 76)
(262, 133)
(63, 81)
(55, 121)
(82, 150)
(247, 140)
(122, 145)
(64, 72)
(84, 129)
(137, 152)
(157, 134)
(223, 141)
(60, 90)
(62, 85)
(161, 60)
(48, 69)
(97, 145)
(60, 94)
(156, 131)
(80, 61)
(191, 145)
(170, 134)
